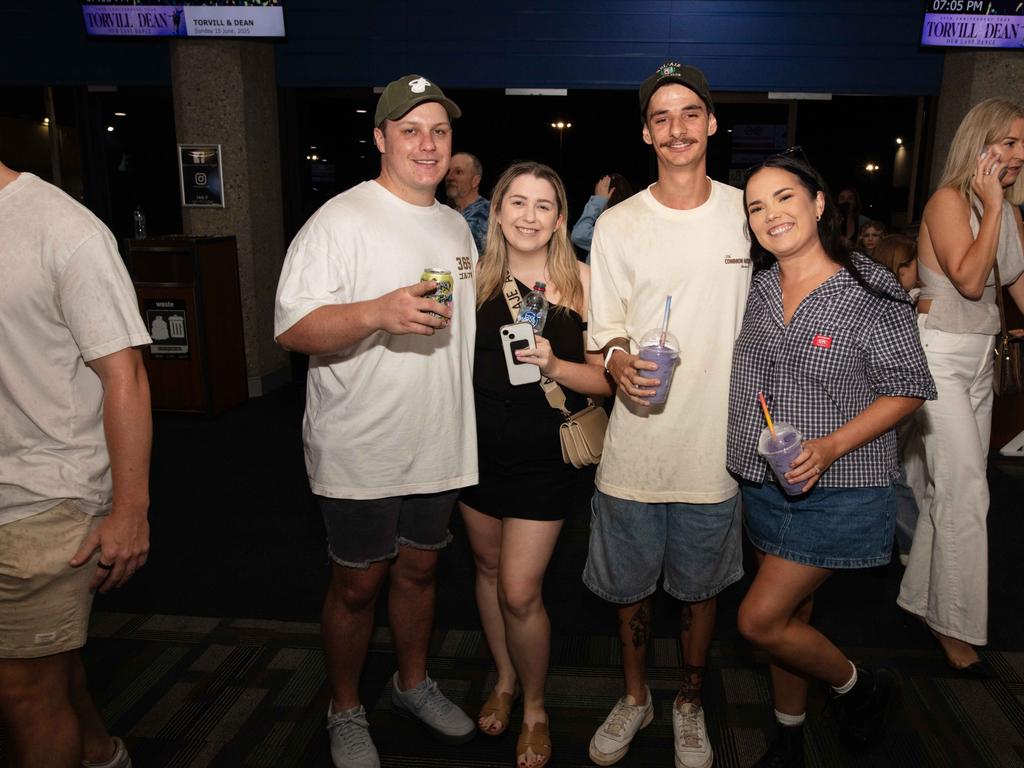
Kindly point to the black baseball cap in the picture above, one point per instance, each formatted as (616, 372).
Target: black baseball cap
(403, 94)
(674, 72)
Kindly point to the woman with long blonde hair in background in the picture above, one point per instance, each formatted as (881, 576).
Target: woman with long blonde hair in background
(970, 231)
(515, 514)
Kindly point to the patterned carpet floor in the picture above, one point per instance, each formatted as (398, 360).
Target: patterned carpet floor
(236, 534)
(191, 692)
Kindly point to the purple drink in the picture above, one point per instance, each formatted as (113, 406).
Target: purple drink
(665, 357)
(780, 451)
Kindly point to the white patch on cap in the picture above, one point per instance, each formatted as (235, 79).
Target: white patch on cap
(419, 85)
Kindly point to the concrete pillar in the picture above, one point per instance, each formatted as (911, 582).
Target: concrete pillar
(967, 78)
(225, 92)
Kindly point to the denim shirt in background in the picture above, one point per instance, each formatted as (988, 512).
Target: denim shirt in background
(476, 215)
(583, 230)
(843, 349)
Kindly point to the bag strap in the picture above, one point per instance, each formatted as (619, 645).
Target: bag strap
(999, 284)
(555, 394)
(999, 302)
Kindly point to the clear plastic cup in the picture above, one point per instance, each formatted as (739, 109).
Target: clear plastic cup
(666, 355)
(780, 451)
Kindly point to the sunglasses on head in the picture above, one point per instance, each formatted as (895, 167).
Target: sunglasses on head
(795, 151)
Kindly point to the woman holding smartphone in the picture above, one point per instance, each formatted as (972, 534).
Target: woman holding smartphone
(828, 337)
(515, 514)
(971, 229)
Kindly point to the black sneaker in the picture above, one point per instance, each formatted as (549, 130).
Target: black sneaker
(861, 713)
(786, 749)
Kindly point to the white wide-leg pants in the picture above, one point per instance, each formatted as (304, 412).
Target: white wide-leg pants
(946, 581)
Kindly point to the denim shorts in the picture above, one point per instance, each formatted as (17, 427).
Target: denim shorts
(827, 527)
(364, 531)
(632, 543)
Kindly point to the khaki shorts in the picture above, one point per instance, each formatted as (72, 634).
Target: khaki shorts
(44, 602)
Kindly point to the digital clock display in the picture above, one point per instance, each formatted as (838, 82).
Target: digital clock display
(973, 23)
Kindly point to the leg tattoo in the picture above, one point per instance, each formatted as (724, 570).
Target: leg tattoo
(640, 626)
(686, 617)
(693, 680)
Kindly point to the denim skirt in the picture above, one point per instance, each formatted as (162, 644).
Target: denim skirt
(827, 527)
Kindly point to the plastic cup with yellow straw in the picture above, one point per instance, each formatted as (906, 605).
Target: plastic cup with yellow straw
(780, 443)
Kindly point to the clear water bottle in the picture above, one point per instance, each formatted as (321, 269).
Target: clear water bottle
(534, 309)
(139, 223)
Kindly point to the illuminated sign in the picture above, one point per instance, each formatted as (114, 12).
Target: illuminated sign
(973, 23)
(175, 19)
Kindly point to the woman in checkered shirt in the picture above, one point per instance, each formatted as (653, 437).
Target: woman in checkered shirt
(829, 337)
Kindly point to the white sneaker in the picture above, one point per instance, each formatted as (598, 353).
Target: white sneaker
(120, 758)
(613, 738)
(693, 748)
(426, 703)
(351, 745)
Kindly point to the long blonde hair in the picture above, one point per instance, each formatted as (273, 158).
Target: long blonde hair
(562, 265)
(988, 122)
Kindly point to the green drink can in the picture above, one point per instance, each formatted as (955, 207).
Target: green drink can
(445, 290)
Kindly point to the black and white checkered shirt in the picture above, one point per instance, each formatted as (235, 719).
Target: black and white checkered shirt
(842, 349)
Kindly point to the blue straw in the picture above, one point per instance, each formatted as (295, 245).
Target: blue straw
(664, 324)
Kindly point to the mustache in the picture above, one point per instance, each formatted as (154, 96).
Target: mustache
(678, 140)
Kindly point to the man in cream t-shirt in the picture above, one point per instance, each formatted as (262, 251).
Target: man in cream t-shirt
(665, 504)
(75, 435)
(390, 428)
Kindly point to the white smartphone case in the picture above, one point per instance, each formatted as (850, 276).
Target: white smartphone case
(519, 336)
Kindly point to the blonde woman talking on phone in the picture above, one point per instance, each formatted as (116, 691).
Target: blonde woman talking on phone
(971, 231)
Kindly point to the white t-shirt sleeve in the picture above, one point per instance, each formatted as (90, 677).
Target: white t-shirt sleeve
(97, 300)
(607, 315)
(316, 273)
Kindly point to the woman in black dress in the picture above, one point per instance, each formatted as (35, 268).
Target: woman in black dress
(515, 514)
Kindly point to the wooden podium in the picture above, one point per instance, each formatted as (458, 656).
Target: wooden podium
(189, 298)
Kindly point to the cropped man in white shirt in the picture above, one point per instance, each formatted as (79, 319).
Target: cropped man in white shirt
(75, 434)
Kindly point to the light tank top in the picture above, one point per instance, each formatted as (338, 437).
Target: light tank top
(950, 310)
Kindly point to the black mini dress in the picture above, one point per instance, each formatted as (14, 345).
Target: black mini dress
(522, 474)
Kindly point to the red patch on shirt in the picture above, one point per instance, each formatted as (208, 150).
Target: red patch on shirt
(825, 342)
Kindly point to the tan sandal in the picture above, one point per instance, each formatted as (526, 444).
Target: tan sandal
(498, 706)
(537, 740)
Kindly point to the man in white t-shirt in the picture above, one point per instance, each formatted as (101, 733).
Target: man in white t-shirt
(390, 427)
(75, 435)
(665, 504)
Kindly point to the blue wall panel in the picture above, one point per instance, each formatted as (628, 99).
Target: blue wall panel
(840, 46)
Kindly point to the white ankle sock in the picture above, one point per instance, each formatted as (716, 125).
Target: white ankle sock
(790, 721)
(848, 685)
